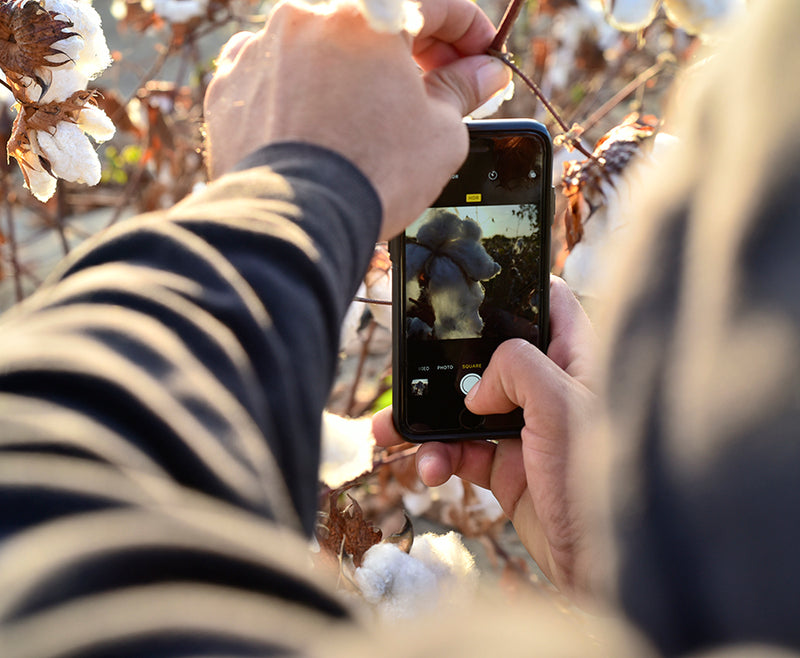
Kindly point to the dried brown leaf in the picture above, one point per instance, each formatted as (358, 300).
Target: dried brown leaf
(346, 532)
(138, 18)
(582, 182)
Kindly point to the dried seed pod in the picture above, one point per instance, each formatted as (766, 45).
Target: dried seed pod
(28, 33)
(584, 182)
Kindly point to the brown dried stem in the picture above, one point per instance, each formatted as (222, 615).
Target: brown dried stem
(360, 369)
(623, 93)
(509, 18)
(11, 238)
(370, 300)
(497, 49)
(506, 59)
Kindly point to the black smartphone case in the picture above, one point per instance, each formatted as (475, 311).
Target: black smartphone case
(474, 427)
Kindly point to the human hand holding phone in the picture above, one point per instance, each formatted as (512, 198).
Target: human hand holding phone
(534, 479)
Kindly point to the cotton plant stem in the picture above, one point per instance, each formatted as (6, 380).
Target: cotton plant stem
(496, 49)
(362, 359)
(506, 59)
(509, 18)
(623, 93)
(11, 238)
(369, 300)
(62, 210)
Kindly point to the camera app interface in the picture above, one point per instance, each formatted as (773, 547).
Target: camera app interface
(476, 269)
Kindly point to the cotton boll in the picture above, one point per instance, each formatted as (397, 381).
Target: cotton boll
(180, 11)
(347, 449)
(419, 502)
(41, 184)
(418, 330)
(416, 257)
(442, 226)
(95, 123)
(471, 257)
(392, 16)
(446, 556)
(70, 154)
(488, 504)
(438, 571)
(397, 584)
(450, 255)
(455, 301)
(88, 50)
(593, 19)
(585, 269)
(701, 17)
(631, 15)
(64, 83)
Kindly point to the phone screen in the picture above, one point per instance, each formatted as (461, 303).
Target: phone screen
(474, 271)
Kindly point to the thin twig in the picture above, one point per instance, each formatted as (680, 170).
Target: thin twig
(61, 207)
(623, 93)
(369, 300)
(509, 18)
(11, 237)
(396, 456)
(131, 187)
(360, 368)
(148, 75)
(506, 59)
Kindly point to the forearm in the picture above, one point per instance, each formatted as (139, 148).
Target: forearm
(206, 338)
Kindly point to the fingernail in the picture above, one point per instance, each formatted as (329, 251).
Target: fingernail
(472, 392)
(422, 466)
(492, 76)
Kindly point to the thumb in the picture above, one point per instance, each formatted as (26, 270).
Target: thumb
(468, 82)
(518, 375)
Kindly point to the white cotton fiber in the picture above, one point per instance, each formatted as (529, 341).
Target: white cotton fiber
(439, 571)
(347, 448)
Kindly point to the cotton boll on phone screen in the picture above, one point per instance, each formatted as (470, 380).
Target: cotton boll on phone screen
(475, 272)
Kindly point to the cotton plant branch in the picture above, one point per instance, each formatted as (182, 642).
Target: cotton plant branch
(571, 137)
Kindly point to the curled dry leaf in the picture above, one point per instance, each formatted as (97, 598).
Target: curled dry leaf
(584, 183)
(346, 531)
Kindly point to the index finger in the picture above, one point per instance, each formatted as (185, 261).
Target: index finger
(452, 29)
(383, 429)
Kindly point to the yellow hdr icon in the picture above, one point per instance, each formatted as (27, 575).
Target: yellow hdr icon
(474, 198)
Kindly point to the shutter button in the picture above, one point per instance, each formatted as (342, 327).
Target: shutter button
(468, 381)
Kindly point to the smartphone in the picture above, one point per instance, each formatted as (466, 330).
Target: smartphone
(470, 273)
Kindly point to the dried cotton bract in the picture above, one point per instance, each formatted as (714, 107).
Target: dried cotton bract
(49, 51)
